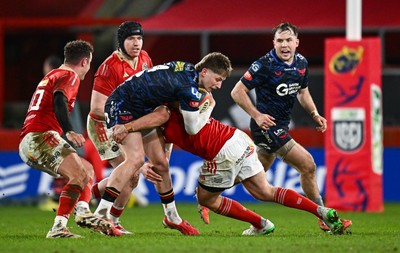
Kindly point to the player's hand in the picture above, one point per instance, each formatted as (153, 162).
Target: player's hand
(321, 123)
(265, 121)
(150, 174)
(76, 139)
(119, 133)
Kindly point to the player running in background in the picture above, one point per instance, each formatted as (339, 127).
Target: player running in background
(124, 62)
(42, 147)
(140, 95)
(279, 78)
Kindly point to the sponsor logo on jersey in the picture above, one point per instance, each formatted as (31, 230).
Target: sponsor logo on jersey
(284, 89)
(255, 66)
(289, 69)
(195, 92)
(194, 104)
(247, 76)
(43, 82)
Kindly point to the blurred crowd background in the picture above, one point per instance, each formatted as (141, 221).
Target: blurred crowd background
(186, 30)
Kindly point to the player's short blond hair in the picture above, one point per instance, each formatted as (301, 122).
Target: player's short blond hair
(216, 62)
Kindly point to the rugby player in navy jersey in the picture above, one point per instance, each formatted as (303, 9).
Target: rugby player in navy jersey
(279, 77)
(139, 96)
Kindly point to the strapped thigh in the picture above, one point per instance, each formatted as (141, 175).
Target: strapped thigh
(282, 152)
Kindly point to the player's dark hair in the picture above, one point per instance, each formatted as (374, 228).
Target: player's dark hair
(126, 29)
(75, 50)
(285, 26)
(216, 62)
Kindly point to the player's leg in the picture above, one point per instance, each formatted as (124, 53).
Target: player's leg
(108, 150)
(221, 173)
(75, 168)
(265, 158)
(301, 160)
(260, 189)
(120, 203)
(134, 159)
(211, 198)
(155, 150)
(50, 153)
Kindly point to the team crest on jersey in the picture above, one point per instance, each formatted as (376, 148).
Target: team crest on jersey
(145, 66)
(179, 66)
(302, 72)
(126, 117)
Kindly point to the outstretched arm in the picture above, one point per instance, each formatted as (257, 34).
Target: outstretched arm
(159, 116)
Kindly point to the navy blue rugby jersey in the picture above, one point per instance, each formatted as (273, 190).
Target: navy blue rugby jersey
(173, 81)
(276, 84)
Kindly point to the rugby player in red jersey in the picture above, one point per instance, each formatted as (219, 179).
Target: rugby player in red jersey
(43, 148)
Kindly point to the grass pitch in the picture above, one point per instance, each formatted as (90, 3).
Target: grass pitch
(23, 229)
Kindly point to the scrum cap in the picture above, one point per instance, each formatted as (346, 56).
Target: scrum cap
(126, 29)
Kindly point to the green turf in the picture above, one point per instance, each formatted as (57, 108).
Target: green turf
(23, 229)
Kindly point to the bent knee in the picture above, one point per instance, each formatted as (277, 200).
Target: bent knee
(79, 177)
(161, 166)
(308, 168)
(135, 162)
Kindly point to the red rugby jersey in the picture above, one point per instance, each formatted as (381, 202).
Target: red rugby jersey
(115, 70)
(205, 144)
(41, 116)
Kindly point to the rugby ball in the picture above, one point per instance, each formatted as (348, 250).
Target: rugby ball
(204, 100)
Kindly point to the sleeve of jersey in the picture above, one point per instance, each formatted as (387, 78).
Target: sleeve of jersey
(104, 80)
(68, 84)
(252, 77)
(195, 121)
(304, 84)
